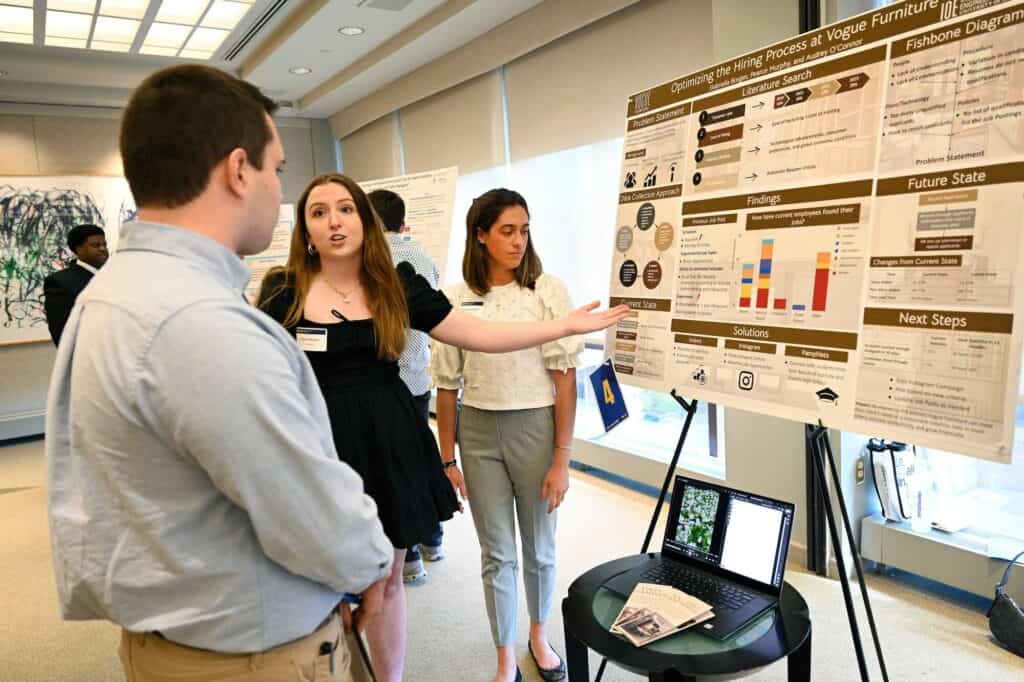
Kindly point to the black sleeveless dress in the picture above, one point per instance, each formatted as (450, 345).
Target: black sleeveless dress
(376, 426)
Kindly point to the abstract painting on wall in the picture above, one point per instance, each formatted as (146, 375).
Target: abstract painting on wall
(36, 214)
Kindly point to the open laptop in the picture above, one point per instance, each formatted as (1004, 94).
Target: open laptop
(723, 546)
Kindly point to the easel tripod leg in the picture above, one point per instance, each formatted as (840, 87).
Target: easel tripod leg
(691, 409)
(819, 470)
(858, 566)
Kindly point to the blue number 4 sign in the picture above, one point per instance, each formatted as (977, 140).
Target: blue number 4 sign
(609, 395)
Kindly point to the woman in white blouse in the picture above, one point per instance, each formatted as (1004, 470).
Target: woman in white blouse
(515, 423)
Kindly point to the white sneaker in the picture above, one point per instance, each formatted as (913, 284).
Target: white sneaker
(432, 553)
(413, 573)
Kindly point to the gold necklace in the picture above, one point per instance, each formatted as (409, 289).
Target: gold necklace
(344, 295)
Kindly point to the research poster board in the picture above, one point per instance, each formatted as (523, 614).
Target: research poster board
(429, 201)
(36, 214)
(830, 228)
(274, 255)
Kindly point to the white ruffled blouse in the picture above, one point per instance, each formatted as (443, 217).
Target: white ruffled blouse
(507, 381)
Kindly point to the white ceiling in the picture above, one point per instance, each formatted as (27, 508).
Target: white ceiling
(301, 33)
(317, 45)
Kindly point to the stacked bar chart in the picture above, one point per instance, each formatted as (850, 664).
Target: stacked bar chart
(794, 285)
(746, 284)
(821, 281)
(764, 279)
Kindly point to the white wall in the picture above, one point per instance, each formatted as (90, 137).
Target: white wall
(55, 140)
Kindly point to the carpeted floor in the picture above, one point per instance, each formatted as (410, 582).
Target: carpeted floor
(928, 633)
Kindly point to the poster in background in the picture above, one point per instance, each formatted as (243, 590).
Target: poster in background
(429, 201)
(36, 214)
(274, 255)
(845, 243)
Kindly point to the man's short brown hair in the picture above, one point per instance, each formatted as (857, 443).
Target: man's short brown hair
(180, 123)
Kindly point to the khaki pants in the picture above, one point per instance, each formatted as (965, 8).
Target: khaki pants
(147, 657)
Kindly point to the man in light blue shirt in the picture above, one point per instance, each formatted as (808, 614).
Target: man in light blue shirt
(414, 363)
(195, 495)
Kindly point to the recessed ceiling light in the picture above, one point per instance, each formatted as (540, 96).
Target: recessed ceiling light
(351, 31)
(300, 70)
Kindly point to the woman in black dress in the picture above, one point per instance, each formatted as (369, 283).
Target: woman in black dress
(349, 307)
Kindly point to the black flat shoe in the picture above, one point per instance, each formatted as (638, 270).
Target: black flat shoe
(519, 675)
(555, 674)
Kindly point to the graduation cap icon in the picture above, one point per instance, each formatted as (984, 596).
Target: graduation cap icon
(827, 395)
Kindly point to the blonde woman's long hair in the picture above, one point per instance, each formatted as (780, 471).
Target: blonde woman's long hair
(384, 291)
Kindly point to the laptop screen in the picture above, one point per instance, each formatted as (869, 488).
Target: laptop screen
(722, 528)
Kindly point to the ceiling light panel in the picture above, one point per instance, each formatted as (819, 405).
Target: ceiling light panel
(166, 35)
(157, 50)
(115, 30)
(181, 11)
(23, 38)
(127, 9)
(195, 54)
(206, 39)
(109, 47)
(193, 29)
(16, 19)
(67, 25)
(225, 14)
(54, 41)
(82, 6)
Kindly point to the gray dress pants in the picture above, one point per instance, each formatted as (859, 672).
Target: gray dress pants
(505, 456)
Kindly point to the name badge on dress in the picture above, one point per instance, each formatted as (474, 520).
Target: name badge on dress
(311, 339)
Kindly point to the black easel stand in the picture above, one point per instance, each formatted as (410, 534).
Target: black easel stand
(690, 407)
(820, 451)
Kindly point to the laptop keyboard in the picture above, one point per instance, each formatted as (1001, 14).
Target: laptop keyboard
(721, 595)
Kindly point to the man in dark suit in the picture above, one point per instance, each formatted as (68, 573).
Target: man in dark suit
(89, 244)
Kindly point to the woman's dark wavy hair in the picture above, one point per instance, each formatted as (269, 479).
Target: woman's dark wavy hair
(482, 215)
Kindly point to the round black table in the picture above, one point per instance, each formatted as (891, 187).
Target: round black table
(590, 609)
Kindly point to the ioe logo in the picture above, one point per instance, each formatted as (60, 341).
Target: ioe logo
(642, 102)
